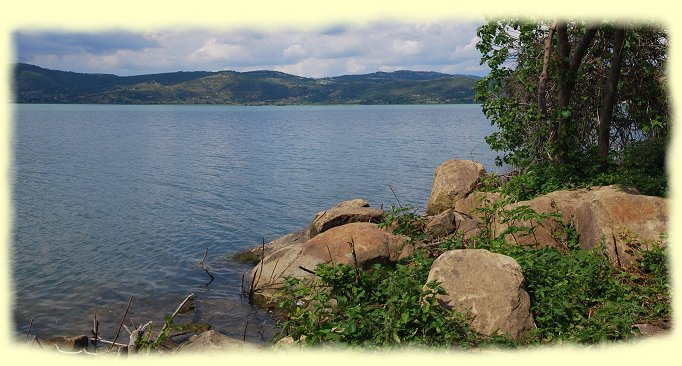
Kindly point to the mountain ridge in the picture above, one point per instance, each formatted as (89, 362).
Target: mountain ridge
(34, 84)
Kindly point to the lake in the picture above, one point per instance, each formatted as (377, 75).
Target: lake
(111, 201)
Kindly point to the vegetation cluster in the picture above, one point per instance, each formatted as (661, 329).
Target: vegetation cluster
(576, 104)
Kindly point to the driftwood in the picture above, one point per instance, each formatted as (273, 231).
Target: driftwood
(135, 337)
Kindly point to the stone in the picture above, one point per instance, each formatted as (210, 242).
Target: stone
(650, 330)
(343, 213)
(448, 222)
(622, 218)
(212, 341)
(471, 204)
(70, 344)
(346, 212)
(289, 342)
(255, 254)
(372, 245)
(487, 286)
(453, 181)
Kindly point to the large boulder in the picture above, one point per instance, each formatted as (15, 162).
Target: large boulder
(356, 210)
(623, 219)
(371, 244)
(453, 181)
(487, 286)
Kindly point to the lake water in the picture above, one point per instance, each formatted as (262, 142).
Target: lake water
(114, 201)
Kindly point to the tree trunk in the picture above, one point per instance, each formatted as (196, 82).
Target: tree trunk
(542, 84)
(609, 98)
(568, 69)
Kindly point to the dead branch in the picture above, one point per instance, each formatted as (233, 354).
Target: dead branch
(206, 269)
(122, 320)
(306, 270)
(95, 331)
(395, 195)
(30, 325)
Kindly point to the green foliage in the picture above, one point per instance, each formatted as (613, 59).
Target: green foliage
(555, 142)
(404, 220)
(641, 165)
(382, 307)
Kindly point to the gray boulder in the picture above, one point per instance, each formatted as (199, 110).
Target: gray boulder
(487, 286)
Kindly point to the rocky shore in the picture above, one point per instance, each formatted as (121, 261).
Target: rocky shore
(486, 285)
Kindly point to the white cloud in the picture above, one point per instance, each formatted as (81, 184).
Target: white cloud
(294, 51)
(445, 46)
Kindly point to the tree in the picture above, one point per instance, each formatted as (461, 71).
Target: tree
(570, 92)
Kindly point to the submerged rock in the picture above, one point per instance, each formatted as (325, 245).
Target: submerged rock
(71, 344)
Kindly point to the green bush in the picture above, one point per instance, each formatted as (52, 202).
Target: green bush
(382, 307)
(643, 167)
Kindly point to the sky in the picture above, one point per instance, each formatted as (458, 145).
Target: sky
(332, 50)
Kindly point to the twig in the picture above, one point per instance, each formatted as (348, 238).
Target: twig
(101, 340)
(395, 195)
(30, 325)
(36, 340)
(95, 331)
(253, 282)
(306, 270)
(206, 269)
(188, 298)
(122, 320)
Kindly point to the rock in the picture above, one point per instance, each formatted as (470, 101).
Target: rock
(346, 212)
(649, 330)
(255, 254)
(372, 245)
(448, 222)
(355, 202)
(488, 286)
(470, 204)
(289, 341)
(624, 219)
(343, 213)
(453, 181)
(70, 344)
(212, 341)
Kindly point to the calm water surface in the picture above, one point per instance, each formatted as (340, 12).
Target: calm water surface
(114, 201)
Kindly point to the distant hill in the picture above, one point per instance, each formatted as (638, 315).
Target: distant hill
(34, 84)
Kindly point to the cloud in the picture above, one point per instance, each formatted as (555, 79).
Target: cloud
(444, 46)
(69, 43)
